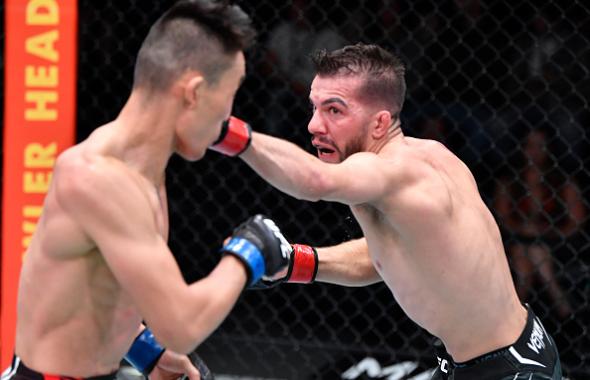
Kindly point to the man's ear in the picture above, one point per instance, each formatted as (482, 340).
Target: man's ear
(192, 90)
(382, 124)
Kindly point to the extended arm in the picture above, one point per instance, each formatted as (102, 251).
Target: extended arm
(285, 165)
(360, 178)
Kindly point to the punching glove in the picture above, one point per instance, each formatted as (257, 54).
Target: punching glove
(260, 246)
(234, 138)
(302, 269)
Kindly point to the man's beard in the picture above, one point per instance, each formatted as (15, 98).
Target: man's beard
(354, 146)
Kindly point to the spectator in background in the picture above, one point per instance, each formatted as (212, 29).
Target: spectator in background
(539, 207)
(549, 65)
(287, 61)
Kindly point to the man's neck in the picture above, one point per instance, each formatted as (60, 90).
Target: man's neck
(145, 134)
(394, 137)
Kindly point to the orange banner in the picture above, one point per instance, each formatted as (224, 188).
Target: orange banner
(39, 123)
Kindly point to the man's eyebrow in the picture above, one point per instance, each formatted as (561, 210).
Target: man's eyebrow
(334, 100)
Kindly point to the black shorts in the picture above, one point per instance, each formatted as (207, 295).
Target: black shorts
(19, 371)
(533, 356)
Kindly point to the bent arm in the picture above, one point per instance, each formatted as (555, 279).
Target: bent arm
(123, 228)
(360, 178)
(347, 264)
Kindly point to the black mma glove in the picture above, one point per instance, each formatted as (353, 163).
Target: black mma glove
(205, 372)
(261, 247)
(303, 267)
(234, 138)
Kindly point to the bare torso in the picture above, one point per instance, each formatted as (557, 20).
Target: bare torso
(74, 318)
(437, 246)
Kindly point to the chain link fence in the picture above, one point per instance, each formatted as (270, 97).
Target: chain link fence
(505, 85)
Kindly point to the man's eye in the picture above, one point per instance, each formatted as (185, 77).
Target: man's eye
(333, 110)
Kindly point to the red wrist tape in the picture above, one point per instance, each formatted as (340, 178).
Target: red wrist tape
(303, 266)
(235, 137)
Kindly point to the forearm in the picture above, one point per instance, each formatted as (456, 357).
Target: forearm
(220, 291)
(286, 166)
(204, 306)
(347, 264)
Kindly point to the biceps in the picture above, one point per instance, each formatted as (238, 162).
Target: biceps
(144, 268)
(355, 187)
(128, 257)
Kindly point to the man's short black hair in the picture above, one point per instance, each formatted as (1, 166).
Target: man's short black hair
(200, 35)
(383, 72)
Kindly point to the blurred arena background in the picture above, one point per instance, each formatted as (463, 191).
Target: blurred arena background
(505, 85)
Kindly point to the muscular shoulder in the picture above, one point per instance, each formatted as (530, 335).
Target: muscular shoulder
(429, 159)
(77, 171)
(84, 182)
(421, 176)
(405, 166)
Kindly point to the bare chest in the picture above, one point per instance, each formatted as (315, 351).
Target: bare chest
(382, 238)
(399, 260)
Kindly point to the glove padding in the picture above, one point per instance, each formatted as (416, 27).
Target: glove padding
(261, 246)
(303, 268)
(235, 137)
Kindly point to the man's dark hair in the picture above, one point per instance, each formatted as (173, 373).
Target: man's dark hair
(383, 72)
(198, 35)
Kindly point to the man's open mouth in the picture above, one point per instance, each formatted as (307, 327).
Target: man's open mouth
(326, 152)
(323, 150)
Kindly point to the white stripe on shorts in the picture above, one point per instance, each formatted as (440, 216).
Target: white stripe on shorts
(10, 371)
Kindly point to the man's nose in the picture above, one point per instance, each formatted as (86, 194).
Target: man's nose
(316, 126)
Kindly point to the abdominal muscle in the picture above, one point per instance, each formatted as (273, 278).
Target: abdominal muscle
(464, 298)
(74, 319)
